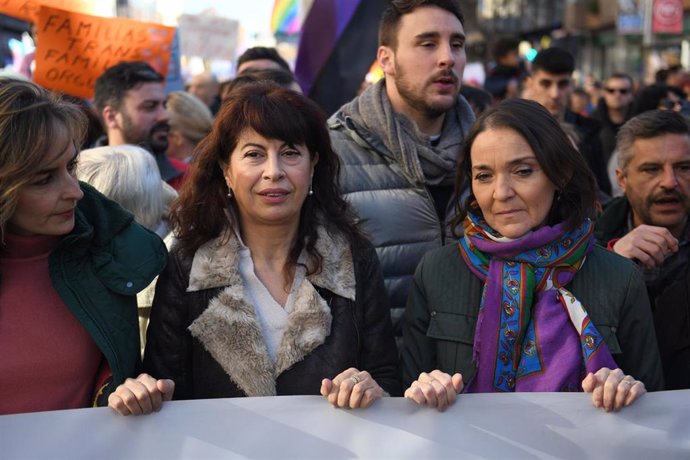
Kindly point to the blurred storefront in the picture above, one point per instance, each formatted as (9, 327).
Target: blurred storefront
(604, 35)
(628, 35)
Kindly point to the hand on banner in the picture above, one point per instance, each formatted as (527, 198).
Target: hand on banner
(612, 389)
(435, 389)
(142, 395)
(351, 389)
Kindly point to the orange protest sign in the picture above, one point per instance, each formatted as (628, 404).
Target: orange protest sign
(74, 49)
(27, 10)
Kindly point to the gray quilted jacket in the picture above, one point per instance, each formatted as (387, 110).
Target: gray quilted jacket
(395, 210)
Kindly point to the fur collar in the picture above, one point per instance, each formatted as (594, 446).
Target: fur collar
(230, 330)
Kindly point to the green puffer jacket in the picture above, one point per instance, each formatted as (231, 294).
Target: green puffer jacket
(442, 309)
(98, 269)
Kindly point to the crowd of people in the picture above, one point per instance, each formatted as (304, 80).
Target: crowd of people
(426, 240)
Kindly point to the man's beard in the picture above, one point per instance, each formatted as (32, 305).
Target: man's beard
(151, 142)
(415, 98)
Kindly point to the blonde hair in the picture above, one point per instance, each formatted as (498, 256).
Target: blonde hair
(129, 175)
(189, 115)
(32, 119)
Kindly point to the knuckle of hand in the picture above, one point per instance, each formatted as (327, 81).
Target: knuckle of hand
(610, 385)
(428, 391)
(618, 373)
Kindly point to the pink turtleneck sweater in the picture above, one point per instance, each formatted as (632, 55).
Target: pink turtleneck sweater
(47, 359)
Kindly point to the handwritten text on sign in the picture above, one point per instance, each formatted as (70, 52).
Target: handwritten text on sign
(74, 49)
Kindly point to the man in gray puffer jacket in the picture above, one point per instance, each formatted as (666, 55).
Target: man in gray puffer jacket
(398, 141)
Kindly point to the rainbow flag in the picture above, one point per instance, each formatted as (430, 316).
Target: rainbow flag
(285, 17)
(337, 45)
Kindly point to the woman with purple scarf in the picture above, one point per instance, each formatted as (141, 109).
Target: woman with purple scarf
(525, 300)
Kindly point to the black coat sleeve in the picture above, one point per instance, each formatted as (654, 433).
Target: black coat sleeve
(378, 353)
(168, 352)
(636, 336)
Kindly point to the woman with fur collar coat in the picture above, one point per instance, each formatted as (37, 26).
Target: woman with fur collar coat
(271, 289)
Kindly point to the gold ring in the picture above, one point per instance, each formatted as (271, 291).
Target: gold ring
(355, 379)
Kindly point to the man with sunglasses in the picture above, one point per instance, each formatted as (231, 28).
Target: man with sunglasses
(613, 109)
(550, 84)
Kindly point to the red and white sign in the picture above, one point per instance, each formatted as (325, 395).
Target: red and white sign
(667, 17)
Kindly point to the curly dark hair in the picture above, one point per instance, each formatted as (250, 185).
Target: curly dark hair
(204, 211)
(565, 167)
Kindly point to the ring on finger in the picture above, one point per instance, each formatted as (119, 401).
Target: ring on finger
(355, 379)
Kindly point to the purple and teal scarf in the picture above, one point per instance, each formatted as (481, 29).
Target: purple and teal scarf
(532, 334)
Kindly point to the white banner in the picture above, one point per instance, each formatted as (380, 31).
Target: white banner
(501, 426)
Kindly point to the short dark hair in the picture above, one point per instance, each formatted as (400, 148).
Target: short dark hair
(262, 52)
(201, 211)
(565, 167)
(554, 60)
(580, 91)
(650, 96)
(660, 76)
(280, 77)
(112, 85)
(505, 46)
(647, 125)
(390, 20)
(621, 76)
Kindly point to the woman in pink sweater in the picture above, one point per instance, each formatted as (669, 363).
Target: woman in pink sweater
(71, 263)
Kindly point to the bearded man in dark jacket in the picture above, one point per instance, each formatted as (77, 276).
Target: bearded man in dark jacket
(650, 226)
